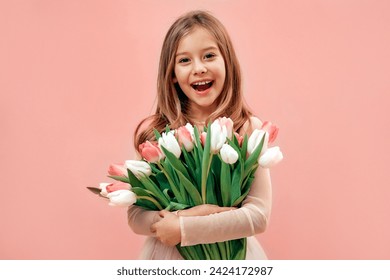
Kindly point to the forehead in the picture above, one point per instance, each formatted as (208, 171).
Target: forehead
(197, 39)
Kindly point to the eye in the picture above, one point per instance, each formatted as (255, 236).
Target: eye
(184, 60)
(209, 55)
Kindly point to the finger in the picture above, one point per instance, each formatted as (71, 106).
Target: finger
(162, 213)
(223, 209)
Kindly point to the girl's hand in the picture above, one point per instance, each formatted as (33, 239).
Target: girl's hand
(204, 210)
(167, 230)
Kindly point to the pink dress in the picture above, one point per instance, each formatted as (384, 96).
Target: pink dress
(252, 218)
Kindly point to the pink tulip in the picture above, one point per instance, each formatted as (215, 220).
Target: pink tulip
(227, 126)
(239, 138)
(203, 137)
(117, 186)
(151, 152)
(117, 170)
(185, 138)
(271, 129)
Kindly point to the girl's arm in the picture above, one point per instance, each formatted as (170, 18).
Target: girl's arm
(140, 219)
(205, 226)
(250, 219)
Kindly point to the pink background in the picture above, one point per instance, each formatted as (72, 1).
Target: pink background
(77, 76)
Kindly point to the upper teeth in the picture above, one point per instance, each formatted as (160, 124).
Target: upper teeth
(201, 83)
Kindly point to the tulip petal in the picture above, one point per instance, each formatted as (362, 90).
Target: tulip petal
(271, 157)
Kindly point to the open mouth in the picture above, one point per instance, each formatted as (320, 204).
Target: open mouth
(202, 86)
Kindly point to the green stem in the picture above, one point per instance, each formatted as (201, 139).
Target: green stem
(155, 202)
(205, 174)
(173, 186)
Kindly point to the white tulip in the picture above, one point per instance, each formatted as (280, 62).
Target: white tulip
(227, 126)
(271, 157)
(228, 154)
(255, 139)
(218, 137)
(103, 188)
(169, 142)
(139, 168)
(122, 198)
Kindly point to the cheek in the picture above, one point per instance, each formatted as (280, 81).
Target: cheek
(178, 75)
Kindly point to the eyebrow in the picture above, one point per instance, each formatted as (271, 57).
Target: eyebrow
(203, 50)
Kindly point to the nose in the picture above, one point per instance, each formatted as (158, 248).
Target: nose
(199, 67)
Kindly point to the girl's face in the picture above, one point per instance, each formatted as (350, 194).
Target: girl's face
(200, 71)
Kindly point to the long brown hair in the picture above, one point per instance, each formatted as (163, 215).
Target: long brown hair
(171, 101)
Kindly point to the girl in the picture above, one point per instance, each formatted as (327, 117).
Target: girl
(198, 81)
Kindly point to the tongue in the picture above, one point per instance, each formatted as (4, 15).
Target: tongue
(202, 87)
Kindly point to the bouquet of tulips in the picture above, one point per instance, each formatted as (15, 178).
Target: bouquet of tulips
(187, 167)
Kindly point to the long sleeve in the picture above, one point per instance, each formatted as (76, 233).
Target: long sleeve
(251, 218)
(140, 219)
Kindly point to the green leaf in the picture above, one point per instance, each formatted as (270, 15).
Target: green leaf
(162, 181)
(157, 134)
(214, 250)
(236, 183)
(191, 189)
(166, 193)
(244, 146)
(119, 178)
(174, 206)
(210, 191)
(134, 182)
(239, 248)
(153, 188)
(176, 163)
(141, 192)
(190, 162)
(253, 158)
(226, 184)
(222, 250)
(173, 182)
(245, 191)
(206, 164)
(155, 169)
(198, 144)
(195, 152)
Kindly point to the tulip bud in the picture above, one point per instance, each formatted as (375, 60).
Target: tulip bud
(169, 142)
(122, 198)
(151, 152)
(239, 138)
(271, 129)
(255, 139)
(116, 186)
(228, 154)
(103, 189)
(227, 126)
(185, 138)
(139, 168)
(203, 137)
(218, 137)
(271, 157)
(117, 170)
(190, 128)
